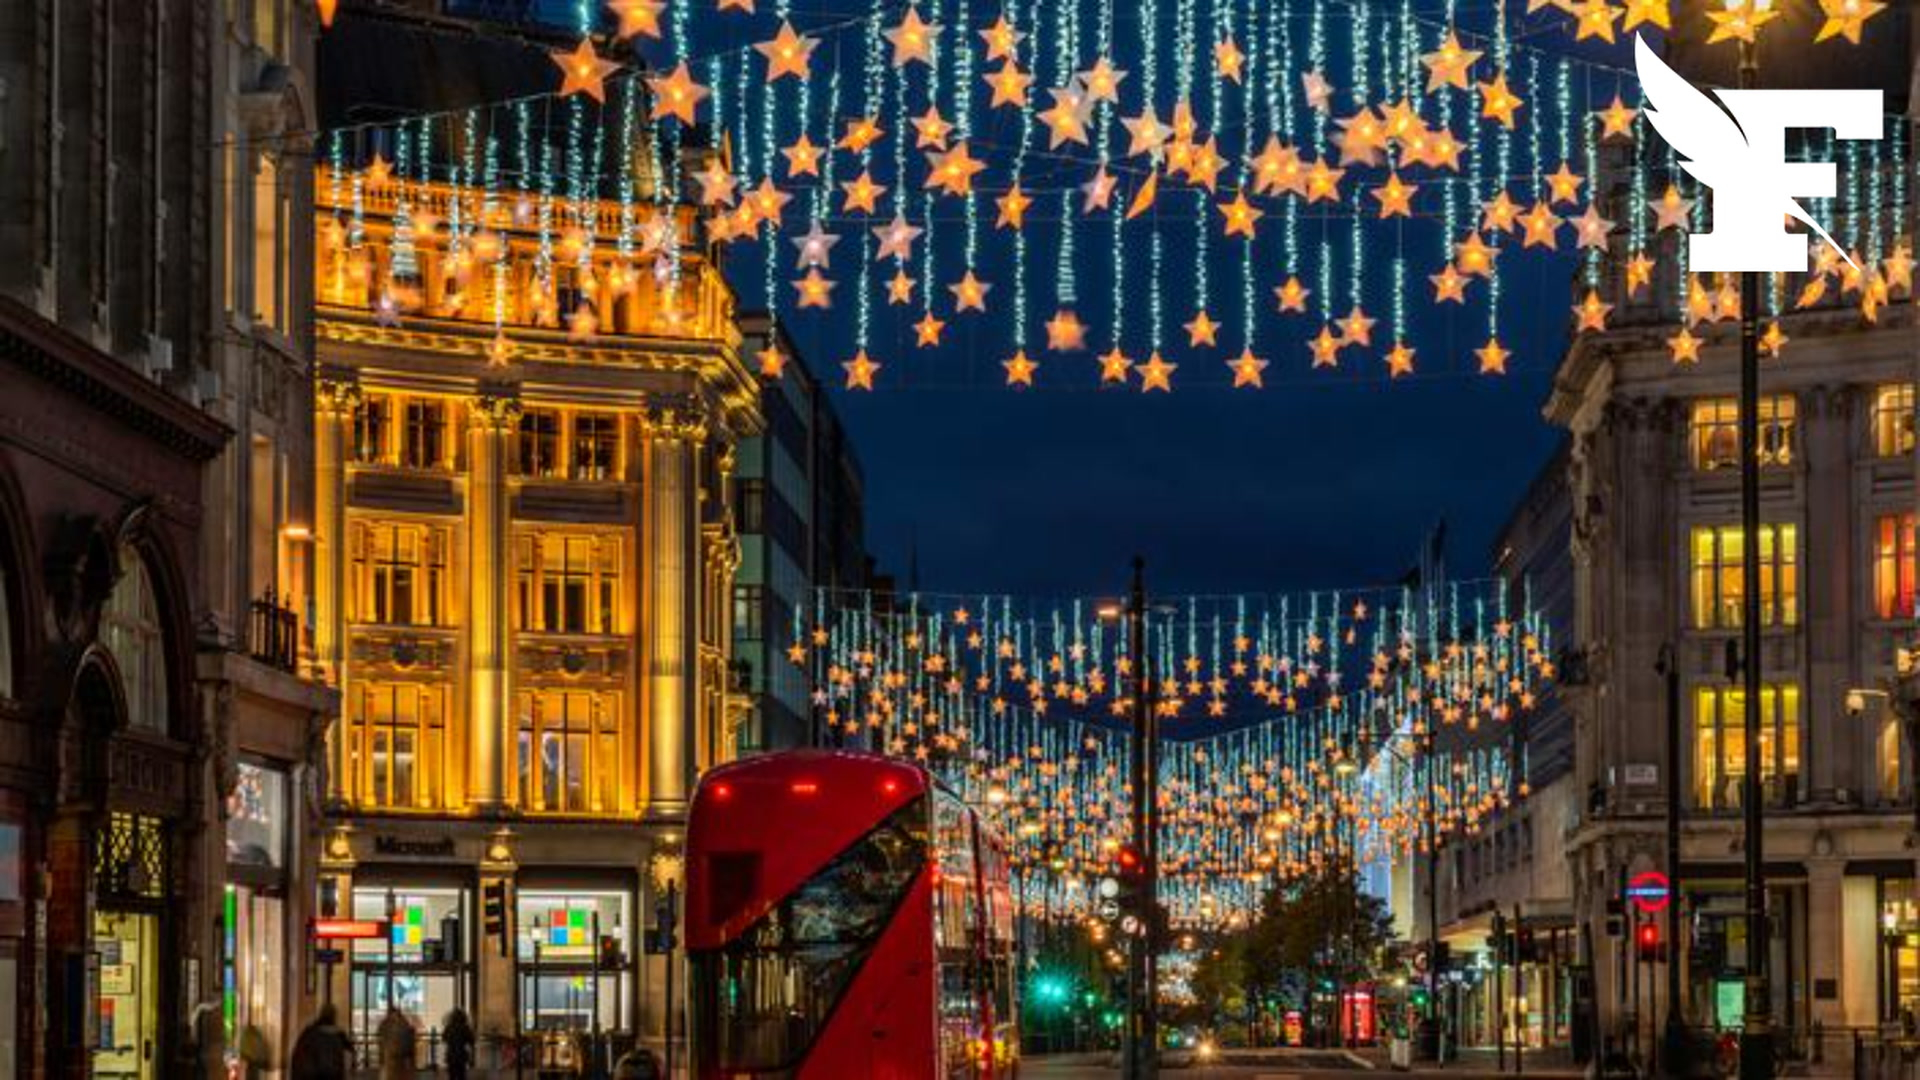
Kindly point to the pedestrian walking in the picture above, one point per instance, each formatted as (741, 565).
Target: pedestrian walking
(456, 1032)
(323, 1051)
(397, 1047)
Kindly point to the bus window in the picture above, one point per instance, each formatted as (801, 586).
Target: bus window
(761, 1000)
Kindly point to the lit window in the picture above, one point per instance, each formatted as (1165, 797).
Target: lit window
(130, 629)
(400, 732)
(749, 612)
(568, 751)
(596, 446)
(568, 583)
(372, 420)
(1893, 566)
(425, 443)
(539, 442)
(1720, 748)
(1893, 419)
(267, 308)
(1719, 586)
(399, 573)
(1715, 432)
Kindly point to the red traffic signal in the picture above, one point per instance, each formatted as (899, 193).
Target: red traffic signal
(1646, 941)
(1128, 860)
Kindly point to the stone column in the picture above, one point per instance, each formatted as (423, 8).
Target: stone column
(674, 431)
(493, 417)
(1826, 934)
(335, 399)
(1831, 740)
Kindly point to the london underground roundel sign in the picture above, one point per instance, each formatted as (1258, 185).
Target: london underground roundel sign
(1650, 891)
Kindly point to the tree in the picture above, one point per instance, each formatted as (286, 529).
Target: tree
(1322, 932)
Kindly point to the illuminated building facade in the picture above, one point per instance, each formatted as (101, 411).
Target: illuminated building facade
(526, 557)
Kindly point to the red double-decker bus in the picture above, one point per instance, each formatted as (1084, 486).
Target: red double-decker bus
(847, 917)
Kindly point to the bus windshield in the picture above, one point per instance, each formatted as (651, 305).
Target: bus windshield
(760, 1001)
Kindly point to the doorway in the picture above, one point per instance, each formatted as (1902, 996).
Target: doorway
(128, 946)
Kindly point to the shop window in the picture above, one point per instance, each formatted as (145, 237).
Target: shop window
(1719, 749)
(564, 936)
(1714, 434)
(424, 435)
(257, 817)
(130, 629)
(540, 443)
(400, 573)
(128, 947)
(567, 583)
(372, 424)
(596, 446)
(1893, 787)
(1893, 566)
(1719, 586)
(253, 946)
(400, 743)
(568, 751)
(421, 965)
(1893, 420)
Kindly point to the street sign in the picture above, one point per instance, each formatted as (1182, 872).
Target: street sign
(1109, 909)
(329, 956)
(348, 929)
(1650, 891)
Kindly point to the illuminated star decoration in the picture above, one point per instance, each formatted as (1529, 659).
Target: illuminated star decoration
(1738, 21)
(1493, 357)
(912, 39)
(816, 247)
(1013, 207)
(860, 371)
(787, 54)
(1157, 374)
(773, 362)
(1685, 347)
(1065, 332)
(1846, 18)
(1020, 369)
(1449, 65)
(1114, 366)
(583, 71)
(896, 238)
(1399, 360)
(927, 331)
(815, 290)
(637, 17)
(970, 293)
(1246, 369)
(676, 94)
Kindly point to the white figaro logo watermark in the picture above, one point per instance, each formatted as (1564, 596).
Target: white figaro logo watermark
(1743, 158)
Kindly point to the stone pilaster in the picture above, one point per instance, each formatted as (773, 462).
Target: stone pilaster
(1832, 743)
(493, 417)
(674, 432)
(335, 400)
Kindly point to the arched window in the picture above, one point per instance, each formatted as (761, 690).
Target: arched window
(130, 629)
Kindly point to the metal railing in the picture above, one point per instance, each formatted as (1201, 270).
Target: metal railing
(273, 633)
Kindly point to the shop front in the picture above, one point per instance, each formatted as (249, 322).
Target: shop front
(1719, 950)
(131, 924)
(422, 965)
(254, 952)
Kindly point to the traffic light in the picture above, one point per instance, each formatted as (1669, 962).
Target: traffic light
(493, 912)
(1525, 949)
(1646, 942)
(1129, 873)
(610, 957)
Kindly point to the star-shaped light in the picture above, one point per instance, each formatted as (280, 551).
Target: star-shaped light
(767, 202)
(1399, 360)
(1002, 39)
(1846, 18)
(803, 157)
(862, 132)
(1065, 332)
(927, 331)
(773, 362)
(912, 39)
(1325, 348)
(1203, 167)
(743, 6)
(1897, 268)
(1591, 312)
(1228, 60)
(676, 94)
(378, 173)
(860, 371)
(1013, 208)
(1097, 192)
(1738, 21)
(896, 238)
(583, 71)
(1292, 296)
(1592, 230)
(861, 194)
(636, 17)
(1239, 216)
(1684, 347)
(1009, 85)
(900, 287)
(816, 291)
(1499, 213)
(787, 54)
(1202, 330)
(1066, 119)
(1323, 182)
(716, 183)
(1157, 374)
(1318, 90)
(1497, 102)
(952, 171)
(1357, 327)
(1473, 256)
(1563, 185)
(1616, 120)
(1246, 369)
(1540, 225)
(386, 310)
(1639, 272)
(1145, 132)
(1101, 82)
(1144, 195)
(970, 293)
(931, 130)
(1449, 285)
(1657, 12)
(1449, 64)
(1277, 168)
(1672, 210)
(1774, 340)
(1020, 369)
(1594, 18)
(1493, 357)
(1395, 196)
(499, 351)
(1114, 366)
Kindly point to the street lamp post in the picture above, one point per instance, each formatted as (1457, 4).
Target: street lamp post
(1142, 1051)
(1673, 1050)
